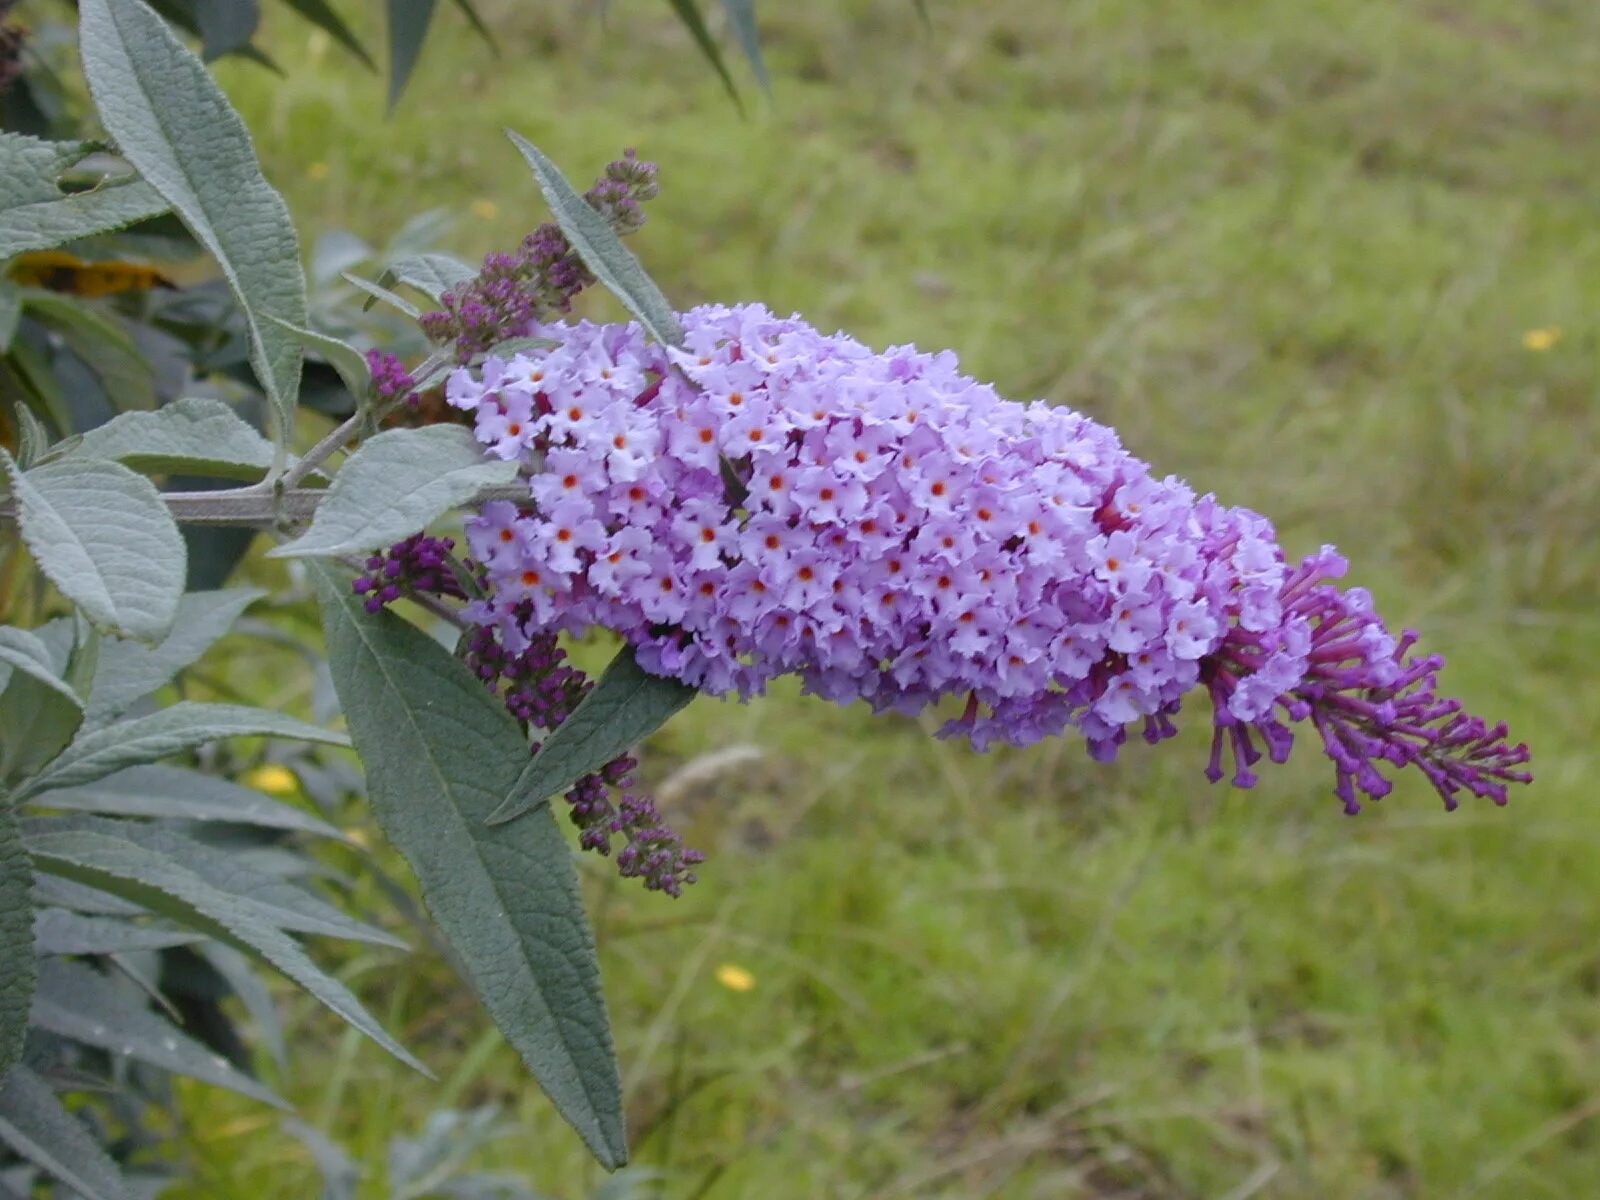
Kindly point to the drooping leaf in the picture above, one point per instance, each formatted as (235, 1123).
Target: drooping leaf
(600, 248)
(226, 26)
(35, 1126)
(17, 964)
(174, 124)
(344, 358)
(742, 16)
(175, 793)
(98, 752)
(376, 292)
(689, 13)
(252, 991)
(101, 534)
(23, 651)
(62, 931)
(194, 434)
(431, 274)
(77, 1002)
(624, 707)
(321, 14)
(35, 214)
(169, 888)
(397, 483)
(37, 721)
(408, 30)
(440, 752)
(103, 346)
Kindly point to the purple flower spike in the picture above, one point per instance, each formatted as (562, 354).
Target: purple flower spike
(767, 499)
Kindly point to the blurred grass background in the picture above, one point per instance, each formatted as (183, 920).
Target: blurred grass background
(1335, 261)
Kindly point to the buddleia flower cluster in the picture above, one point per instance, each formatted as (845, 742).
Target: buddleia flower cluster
(767, 500)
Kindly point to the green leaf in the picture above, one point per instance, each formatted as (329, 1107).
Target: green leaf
(431, 274)
(38, 1129)
(170, 888)
(439, 752)
(103, 346)
(77, 1002)
(23, 651)
(10, 313)
(624, 707)
(408, 30)
(376, 292)
(742, 16)
(101, 534)
(226, 26)
(35, 214)
(174, 793)
(98, 752)
(193, 435)
(18, 968)
(129, 670)
(61, 931)
(322, 15)
(689, 13)
(344, 358)
(37, 722)
(287, 905)
(174, 124)
(395, 484)
(600, 248)
(253, 993)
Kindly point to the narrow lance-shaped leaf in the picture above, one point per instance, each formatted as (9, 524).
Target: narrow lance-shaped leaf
(321, 14)
(101, 534)
(600, 248)
(21, 650)
(194, 435)
(77, 1002)
(742, 16)
(408, 30)
(689, 13)
(98, 752)
(376, 292)
(40, 1131)
(624, 707)
(431, 274)
(440, 752)
(344, 358)
(174, 124)
(35, 214)
(395, 484)
(64, 932)
(169, 888)
(17, 963)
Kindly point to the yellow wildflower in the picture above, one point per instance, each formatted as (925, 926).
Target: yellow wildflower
(1541, 339)
(735, 979)
(485, 210)
(317, 171)
(272, 779)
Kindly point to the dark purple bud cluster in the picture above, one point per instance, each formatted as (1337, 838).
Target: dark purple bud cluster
(420, 564)
(390, 379)
(541, 688)
(539, 279)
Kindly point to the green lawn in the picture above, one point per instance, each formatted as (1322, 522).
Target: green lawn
(1291, 250)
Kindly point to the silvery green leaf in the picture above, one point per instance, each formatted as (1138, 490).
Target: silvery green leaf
(431, 274)
(253, 993)
(96, 753)
(100, 343)
(101, 534)
(62, 931)
(600, 248)
(17, 964)
(408, 29)
(37, 721)
(175, 793)
(23, 651)
(742, 16)
(35, 214)
(77, 1002)
(38, 1129)
(689, 13)
(344, 358)
(128, 671)
(626, 705)
(397, 483)
(341, 1174)
(168, 887)
(173, 123)
(321, 14)
(195, 435)
(440, 751)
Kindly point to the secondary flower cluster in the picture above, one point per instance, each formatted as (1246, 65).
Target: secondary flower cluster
(767, 499)
(543, 275)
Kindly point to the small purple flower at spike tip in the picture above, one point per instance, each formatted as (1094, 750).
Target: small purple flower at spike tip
(418, 564)
(767, 499)
(390, 379)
